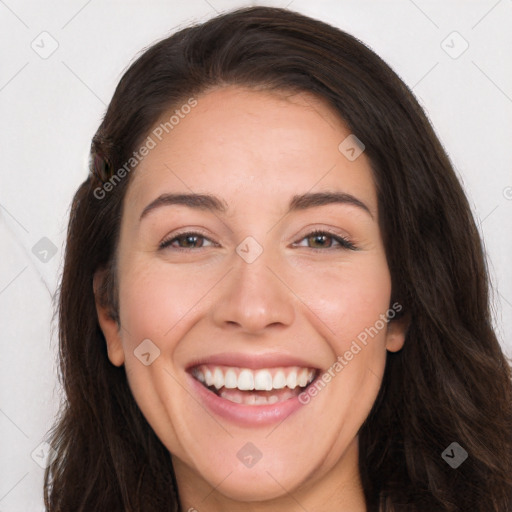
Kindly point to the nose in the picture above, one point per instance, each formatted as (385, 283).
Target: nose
(254, 298)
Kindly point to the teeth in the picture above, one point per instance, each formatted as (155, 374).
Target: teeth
(251, 400)
(236, 399)
(208, 377)
(231, 380)
(263, 380)
(244, 379)
(218, 378)
(291, 380)
(279, 381)
(254, 399)
(302, 378)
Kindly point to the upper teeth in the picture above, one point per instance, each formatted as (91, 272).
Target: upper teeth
(245, 379)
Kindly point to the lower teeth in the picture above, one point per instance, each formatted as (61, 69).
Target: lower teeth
(257, 398)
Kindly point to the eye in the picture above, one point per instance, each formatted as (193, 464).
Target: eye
(185, 241)
(319, 240)
(324, 240)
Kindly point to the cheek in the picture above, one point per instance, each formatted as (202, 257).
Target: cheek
(156, 297)
(347, 299)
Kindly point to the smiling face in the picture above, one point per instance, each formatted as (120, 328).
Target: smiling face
(250, 256)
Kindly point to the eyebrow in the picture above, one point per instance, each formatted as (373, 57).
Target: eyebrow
(213, 203)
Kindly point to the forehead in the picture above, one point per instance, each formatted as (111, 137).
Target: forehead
(250, 147)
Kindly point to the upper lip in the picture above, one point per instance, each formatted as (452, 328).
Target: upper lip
(251, 361)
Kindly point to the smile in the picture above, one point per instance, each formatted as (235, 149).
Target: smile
(263, 386)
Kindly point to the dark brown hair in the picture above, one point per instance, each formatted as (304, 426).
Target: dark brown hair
(450, 382)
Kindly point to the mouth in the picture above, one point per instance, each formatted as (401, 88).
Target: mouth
(262, 386)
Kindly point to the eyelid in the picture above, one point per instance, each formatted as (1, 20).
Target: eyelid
(344, 242)
(187, 231)
(334, 231)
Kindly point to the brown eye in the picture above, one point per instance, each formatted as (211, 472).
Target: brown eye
(324, 240)
(188, 241)
(185, 241)
(320, 241)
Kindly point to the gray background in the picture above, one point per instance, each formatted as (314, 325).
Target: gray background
(52, 103)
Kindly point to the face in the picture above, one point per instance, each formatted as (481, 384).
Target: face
(253, 284)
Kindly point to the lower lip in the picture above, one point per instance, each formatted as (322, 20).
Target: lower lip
(248, 415)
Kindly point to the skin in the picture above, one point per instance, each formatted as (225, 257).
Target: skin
(303, 297)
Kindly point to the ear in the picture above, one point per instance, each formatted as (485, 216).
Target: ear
(396, 333)
(108, 324)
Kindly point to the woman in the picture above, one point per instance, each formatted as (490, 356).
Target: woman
(274, 294)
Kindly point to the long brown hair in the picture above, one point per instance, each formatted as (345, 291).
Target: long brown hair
(450, 382)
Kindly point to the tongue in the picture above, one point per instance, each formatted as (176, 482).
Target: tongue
(258, 397)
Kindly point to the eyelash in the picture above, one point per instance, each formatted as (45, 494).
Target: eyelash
(344, 243)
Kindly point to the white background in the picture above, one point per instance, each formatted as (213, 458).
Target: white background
(50, 109)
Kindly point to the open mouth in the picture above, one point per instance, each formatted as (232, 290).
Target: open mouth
(263, 386)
